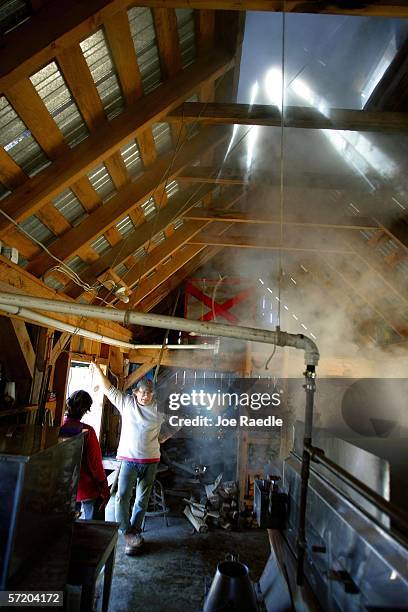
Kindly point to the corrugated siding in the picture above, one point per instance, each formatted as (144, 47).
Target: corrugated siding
(178, 223)
(172, 188)
(55, 284)
(12, 13)
(102, 182)
(140, 253)
(186, 32)
(36, 228)
(144, 40)
(50, 86)
(162, 137)
(121, 270)
(103, 71)
(132, 160)
(100, 245)
(70, 207)
(77, 264)
(158, 238)
(149, 207)
(125, 226)
(18, 142)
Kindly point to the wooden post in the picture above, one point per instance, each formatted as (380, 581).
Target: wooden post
(61, 373)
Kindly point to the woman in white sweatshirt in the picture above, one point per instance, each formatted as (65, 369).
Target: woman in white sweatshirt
(139, 452)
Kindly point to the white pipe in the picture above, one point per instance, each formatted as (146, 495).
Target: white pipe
(127, 317)
(65, 327)
(79, 331)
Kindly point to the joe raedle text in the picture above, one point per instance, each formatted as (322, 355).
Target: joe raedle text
(242, 421)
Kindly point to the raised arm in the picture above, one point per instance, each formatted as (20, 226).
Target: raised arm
(116, 397)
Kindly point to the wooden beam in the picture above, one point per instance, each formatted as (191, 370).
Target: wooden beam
(205, 30)
(120, 41)
(110, 137)
(245, 242)
(303, 180)
(130, 196)
(293, 117)
(140, 237)
(11, 175)
(193, 360)
(162, 252)
(60, 345)
(26, 348)
(163, 273)
(17, 354)
(344, 223)
(162, 291)
(31, 109)
(15, 279)
(356, 288)
(165, 23)
(141, 371)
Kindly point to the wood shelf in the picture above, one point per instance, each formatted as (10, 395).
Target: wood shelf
(18, 410)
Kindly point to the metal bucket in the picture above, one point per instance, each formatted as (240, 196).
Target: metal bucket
(231, 589)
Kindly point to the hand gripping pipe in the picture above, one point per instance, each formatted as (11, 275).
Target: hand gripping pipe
(279, 338)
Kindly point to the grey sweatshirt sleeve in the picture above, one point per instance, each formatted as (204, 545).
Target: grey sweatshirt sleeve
(117, 398)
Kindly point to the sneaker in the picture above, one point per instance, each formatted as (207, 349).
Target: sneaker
(133, 543)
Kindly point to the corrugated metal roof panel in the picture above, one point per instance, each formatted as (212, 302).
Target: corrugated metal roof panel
(162, 137)
(77, 264)
(12, 13)
(178, 223)
(132, 160)
(125, 226)
(102, 182)
(50, 86)
(149, 207)
(70, 207)
(18, 142)
(55, 284)
(100, 245)
(144, 40)
(36, 228)
(103, 71)
(172, 188)
(158, 238)
(186, 32)
(140, 253)
(121, 270)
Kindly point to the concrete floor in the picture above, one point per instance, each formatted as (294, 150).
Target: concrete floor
(169, 575)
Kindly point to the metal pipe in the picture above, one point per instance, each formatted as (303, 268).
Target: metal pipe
(310, 388)
(65, 327)
(127, 317)
(79, 331)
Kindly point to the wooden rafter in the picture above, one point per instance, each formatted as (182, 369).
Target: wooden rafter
(293, 117)
(139, 237)
(110, 137)
(15, 279)
(59, 25)
(346, 223)
(127, 199)
(245, 242)
(194, 360)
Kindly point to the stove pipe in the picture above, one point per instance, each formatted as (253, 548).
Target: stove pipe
(231, 590)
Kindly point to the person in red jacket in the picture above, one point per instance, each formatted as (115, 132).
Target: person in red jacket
(93, 488)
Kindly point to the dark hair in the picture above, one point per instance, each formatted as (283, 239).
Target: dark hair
(78, 403)
(146, 384)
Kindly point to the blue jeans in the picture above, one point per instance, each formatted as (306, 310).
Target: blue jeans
(131, 473)
(87, 508)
